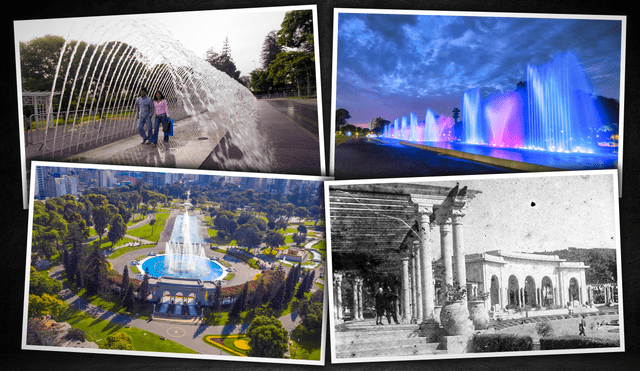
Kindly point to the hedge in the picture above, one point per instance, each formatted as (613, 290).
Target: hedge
(483, 343)
(576, 342)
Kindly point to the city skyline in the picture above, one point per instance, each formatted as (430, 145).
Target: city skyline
(44, 174)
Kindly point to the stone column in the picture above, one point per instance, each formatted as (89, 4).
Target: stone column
(443, 218)
(426, 266)
(354, 310)
(337, 278)
(360, 301)
(458, 247)
(406, 291)
(414, 292)
(419, 289)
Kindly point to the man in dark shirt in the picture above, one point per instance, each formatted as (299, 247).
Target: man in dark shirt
(380, 305)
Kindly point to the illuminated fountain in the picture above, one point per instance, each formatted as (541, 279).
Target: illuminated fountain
(554, 111)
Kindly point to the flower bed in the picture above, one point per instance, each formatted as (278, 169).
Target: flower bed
(218, 342)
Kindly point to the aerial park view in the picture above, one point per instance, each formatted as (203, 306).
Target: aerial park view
(488, 101)
(209, 265)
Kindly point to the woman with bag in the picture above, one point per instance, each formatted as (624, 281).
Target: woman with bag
(162, 116)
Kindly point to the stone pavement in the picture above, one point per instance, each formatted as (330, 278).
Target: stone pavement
(187, 148)
(360, 158)
(289, 127)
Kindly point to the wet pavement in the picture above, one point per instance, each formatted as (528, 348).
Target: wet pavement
(187, 148)
(289, 127)
(360, 158)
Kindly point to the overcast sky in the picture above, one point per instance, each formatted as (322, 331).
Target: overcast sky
(196, 31)
(389, 65)
(532, 213)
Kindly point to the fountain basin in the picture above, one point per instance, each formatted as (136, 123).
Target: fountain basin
(194, 267)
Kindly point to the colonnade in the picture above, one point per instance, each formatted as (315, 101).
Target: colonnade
(417, 299)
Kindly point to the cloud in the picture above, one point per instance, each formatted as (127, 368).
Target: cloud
(426, 56)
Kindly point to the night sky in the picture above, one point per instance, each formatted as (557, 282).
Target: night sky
(389, 65)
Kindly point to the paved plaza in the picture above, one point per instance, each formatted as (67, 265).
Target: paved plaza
(289, 127)
(360, 158)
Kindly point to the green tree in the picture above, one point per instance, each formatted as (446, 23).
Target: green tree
(118, 341)
(248, 235)
(311, 313)
(294, 67)
(270, 49)
(44, 305)
(117, 229)
(267, 337)
(40, 283)
(296, 30)
(129, 298)
(143, 289)
(342, 115)
(241, 302)
(96, 270)
(273, 238)
(38, 62)
(223, 61)
(125, 281)
(101, 217)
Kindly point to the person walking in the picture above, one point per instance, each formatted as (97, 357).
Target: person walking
(581, 325)
(144, 108)
(162, 116)
(392, 301)
(380, 305)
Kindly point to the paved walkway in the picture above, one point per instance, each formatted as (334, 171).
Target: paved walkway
(188, 335)
(289, 127)
(360, 158)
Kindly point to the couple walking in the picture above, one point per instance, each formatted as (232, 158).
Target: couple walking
(386, 304)
(146, 108)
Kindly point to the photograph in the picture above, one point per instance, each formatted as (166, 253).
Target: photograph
(175, 263)
(474, 266)
(419, 93)
(224, 95)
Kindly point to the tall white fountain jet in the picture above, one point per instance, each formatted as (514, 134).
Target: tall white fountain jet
(184, 256)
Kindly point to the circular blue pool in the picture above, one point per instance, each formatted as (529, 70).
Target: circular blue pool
(207, 270)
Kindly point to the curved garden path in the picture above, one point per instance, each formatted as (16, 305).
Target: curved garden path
(186, 334)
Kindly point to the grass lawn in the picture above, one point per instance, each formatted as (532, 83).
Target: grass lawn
(98, 329)
(149, 232)
(306, 345)
(106, 244)
(570, 327)
(123, 250)
(136, 219)
(113, 303)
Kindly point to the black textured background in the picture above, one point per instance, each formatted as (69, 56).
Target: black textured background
(13, 222)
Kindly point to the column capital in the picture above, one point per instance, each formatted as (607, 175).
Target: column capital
(443, 215)
(423, 204)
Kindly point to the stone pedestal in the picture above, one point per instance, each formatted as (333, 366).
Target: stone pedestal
(430, 329)
(457, 344)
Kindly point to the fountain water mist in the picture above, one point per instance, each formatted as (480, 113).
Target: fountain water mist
(183, 256)
(100, 74)
(562, 114)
